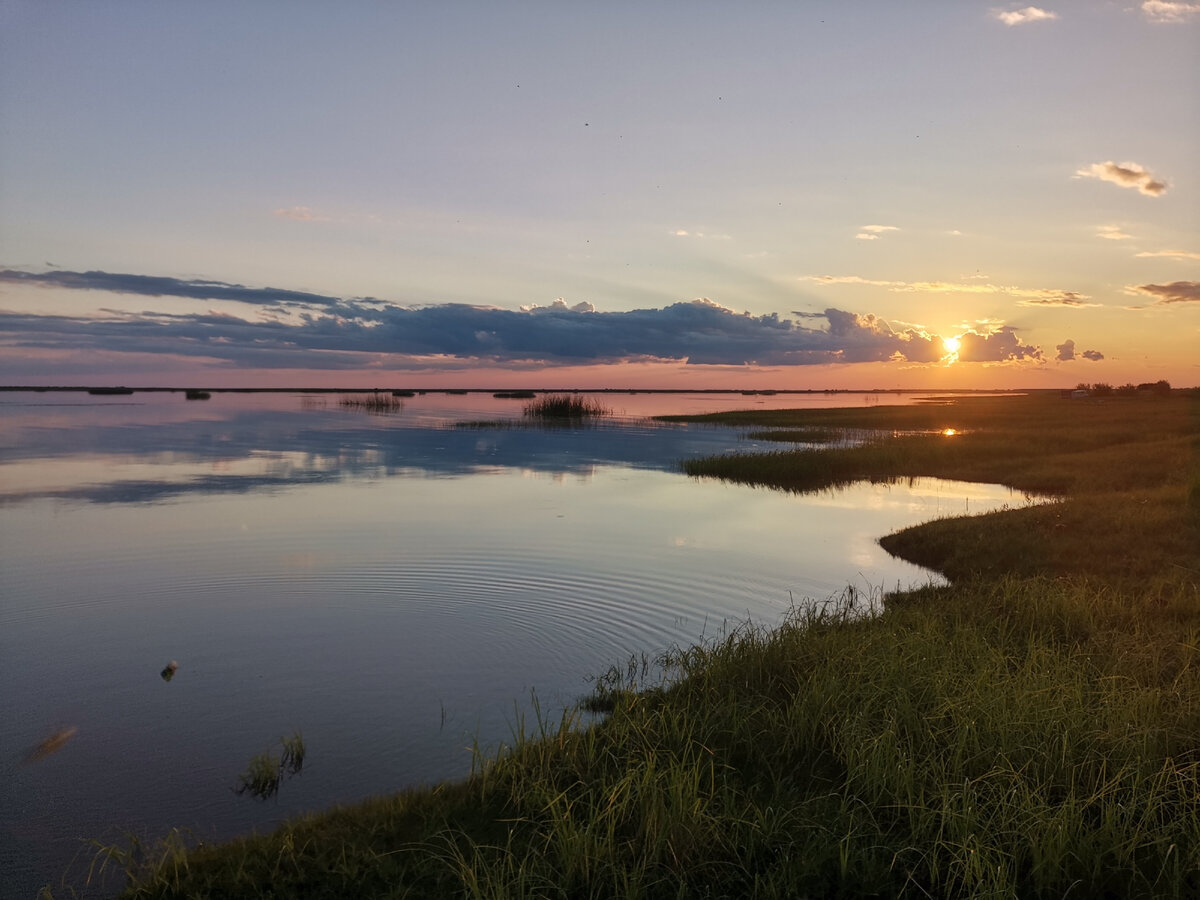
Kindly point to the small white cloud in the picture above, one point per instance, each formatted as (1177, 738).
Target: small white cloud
(1022, 16)
(1127, 175)
(1113, 233)
(1169, 13)
(954, 233)
(872, 232)
(1167, 254)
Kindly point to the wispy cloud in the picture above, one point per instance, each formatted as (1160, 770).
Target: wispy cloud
(157, 286)
(1169, 13)
(703, 235)
(300, 214)
(1024, 16)
(1167, 254)
(1024, 296)
(1126, 175)
(1175, 292)
(1113, 233)
(872, 232)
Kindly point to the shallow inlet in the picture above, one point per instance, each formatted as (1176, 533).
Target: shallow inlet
(391, 587)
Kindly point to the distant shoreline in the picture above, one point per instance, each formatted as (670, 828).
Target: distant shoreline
(490, 390)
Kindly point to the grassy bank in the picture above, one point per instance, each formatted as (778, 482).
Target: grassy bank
(1032, 730)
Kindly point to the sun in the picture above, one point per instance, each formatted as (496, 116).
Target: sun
(951, 344)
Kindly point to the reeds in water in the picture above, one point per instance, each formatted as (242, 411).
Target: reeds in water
(568, 408)
(375, 402)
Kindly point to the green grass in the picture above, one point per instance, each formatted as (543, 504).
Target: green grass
(267, 772)
(1030, 730)
(564, 408)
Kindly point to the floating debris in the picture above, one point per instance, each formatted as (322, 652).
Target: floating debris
(169, 671)
(52, 744)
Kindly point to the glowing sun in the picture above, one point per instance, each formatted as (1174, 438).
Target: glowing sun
(951, 344)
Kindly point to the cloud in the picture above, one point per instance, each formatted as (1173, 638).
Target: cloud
(1022, 16)
(156, 286)
(1169, 13)
(703, 235)
(299, 214)
(1127, 175)
(330, 333)
(1026, 296)
(1113, 233)
(1175, 292)
(872, 232)
(559, 305)
(1000, 345)
(1066, 353)
(1167, 254)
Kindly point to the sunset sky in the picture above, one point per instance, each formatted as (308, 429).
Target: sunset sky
(790, 195)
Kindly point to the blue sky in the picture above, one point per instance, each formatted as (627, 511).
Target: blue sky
(712, 189)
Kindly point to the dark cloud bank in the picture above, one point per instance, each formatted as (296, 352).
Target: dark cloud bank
(304, 330)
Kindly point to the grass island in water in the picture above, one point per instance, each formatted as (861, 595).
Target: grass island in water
(1030, 730)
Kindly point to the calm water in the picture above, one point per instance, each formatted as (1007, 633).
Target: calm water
(394, 587)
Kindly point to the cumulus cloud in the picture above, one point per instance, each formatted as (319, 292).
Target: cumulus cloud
(1113, 233)
(1025, 296)
(1066, 352)
(328, 333)
(1167, 254)
(1127, 175)
(872, 232)
(1000, 345)
(1023, 16)
(1169, 13)
(1175, 292)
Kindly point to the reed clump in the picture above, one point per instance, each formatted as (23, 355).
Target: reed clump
(565, 408)
(375, 402)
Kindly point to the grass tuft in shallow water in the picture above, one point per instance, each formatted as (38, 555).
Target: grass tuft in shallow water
(565, 408)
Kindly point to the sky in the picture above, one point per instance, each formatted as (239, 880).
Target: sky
(793, 195)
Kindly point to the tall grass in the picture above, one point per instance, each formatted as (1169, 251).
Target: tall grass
(565, 408)
(375, 402)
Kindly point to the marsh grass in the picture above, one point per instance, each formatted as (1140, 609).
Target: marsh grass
(377, 402)
(1030, 730)
(567, 408)
(267, 772)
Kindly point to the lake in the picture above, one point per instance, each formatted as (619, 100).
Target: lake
(394, 587)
